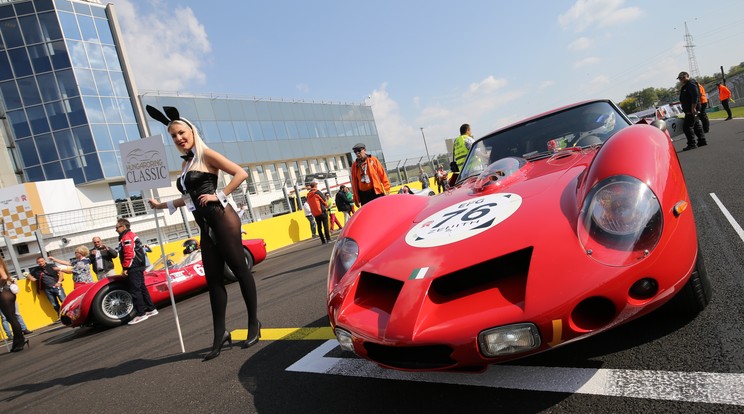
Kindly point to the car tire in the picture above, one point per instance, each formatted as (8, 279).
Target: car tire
(696, 294)
(112, 306)
(229, 276)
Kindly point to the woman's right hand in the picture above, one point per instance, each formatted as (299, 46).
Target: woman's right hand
(155, 204)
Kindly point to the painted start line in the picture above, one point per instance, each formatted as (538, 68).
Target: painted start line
(694, 387)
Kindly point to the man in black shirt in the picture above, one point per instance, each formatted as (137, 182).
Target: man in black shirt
(689, 97)
(48, 278)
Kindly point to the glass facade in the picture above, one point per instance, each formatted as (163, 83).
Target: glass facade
(63, 90)
(262, 133)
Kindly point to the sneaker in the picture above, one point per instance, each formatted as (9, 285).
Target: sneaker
(26, 332)
(138, 319)
(151, 313)
(702, 143)
(689, 147)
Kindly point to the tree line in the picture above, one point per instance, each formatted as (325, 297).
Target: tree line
(651, 97)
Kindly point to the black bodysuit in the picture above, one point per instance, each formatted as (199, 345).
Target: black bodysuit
(220, 244)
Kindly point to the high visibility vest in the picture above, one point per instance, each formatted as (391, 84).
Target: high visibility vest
(703, 96)
(460, 151)
(723, 92)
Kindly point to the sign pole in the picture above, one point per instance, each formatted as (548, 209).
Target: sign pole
(146, 168)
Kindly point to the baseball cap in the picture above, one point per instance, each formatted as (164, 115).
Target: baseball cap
(682, 74)
(359, 145)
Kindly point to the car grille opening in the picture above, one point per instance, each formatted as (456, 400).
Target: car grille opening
(592, 313)
(375, 291)
(66, 320)
(483, 276)
(412, 357)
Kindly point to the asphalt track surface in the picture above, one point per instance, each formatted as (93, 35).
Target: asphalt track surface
(655, 364)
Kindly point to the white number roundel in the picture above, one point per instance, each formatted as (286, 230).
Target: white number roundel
(199, 269)
(463, 220)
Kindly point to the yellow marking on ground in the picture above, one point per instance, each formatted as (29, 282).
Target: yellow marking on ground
(557, 332)
(288, 334)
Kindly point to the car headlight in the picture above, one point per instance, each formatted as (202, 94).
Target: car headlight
(621, 221)
(508, 340)
(345, 253)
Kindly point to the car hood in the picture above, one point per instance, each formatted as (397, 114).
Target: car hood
(450, 259)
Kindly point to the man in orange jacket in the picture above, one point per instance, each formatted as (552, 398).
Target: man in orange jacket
(724, 94)
(369, 179)
(319, 208)
(703, 115)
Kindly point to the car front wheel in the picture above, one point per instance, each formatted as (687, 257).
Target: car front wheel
(696, 294)
(112, 306)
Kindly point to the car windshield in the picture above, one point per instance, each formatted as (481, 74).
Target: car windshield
(185, 261)
(576, 127)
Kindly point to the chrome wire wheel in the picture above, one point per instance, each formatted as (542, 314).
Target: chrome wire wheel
(117, 304)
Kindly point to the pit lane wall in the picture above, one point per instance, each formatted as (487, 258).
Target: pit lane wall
(277, 232)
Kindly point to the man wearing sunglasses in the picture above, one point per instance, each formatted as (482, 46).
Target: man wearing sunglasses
(369, 179)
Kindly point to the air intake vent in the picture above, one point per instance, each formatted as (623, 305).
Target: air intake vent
(483, 276)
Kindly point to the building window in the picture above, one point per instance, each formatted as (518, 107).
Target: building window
(127, 204)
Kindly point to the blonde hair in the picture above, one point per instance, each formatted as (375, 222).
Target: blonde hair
(82, 250)
(199, 145)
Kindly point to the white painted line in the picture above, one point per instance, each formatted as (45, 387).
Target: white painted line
(697, 387)
(729, 217)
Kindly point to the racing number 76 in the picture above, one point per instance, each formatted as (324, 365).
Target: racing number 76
(470, 214)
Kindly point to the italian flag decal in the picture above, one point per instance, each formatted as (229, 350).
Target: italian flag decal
(418, 273)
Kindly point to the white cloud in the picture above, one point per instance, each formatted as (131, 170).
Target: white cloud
(302, 88)
(596, 85)
(586, 62)
(580, 44)
(546, 84)
(479, 104)
(603, 13)
(167, 48)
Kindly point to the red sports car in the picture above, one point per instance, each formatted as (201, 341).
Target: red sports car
(559, 227)
(108, 302)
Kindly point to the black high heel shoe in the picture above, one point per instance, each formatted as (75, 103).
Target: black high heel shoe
(253, 338)
(216, 348)
(18, 348)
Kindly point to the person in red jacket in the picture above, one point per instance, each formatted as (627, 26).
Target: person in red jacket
(132, 256)
(724, 94)
(319, 208)
(369, 179)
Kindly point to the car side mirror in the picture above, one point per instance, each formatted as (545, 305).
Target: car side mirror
(659, 124)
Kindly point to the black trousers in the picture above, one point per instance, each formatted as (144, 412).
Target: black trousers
(703, 116)
(322, 222)
(725, 104)
(138, 290)
(367, 196)
(693, 129)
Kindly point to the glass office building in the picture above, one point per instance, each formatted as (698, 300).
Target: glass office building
(63, 90)
(273, 140)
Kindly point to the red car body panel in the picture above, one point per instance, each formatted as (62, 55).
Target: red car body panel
(530, 267)
(76, 309)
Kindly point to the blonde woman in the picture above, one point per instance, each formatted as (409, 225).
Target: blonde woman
(7, 306)
(218, 222)
(80, 266)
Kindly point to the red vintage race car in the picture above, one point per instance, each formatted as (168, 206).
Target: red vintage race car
(108, 302)
(559, 227)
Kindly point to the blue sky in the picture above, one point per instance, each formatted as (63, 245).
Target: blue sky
(431, 64)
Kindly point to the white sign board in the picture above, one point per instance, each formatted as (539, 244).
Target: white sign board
(145, 164)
